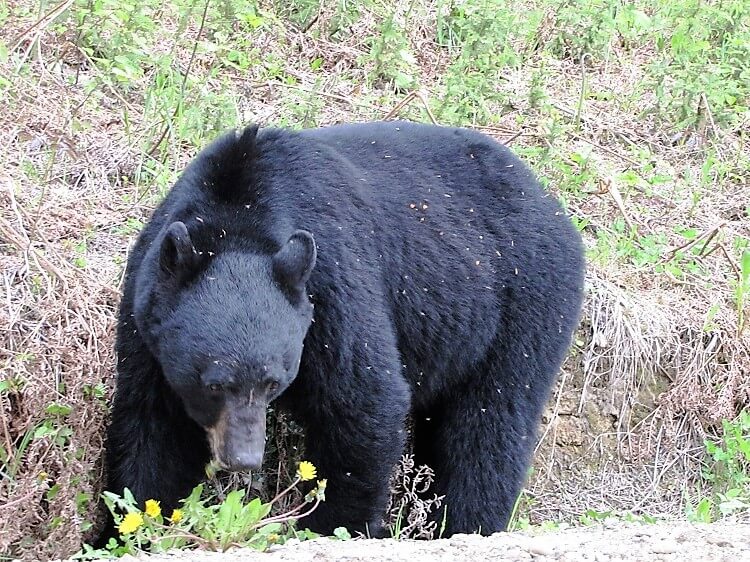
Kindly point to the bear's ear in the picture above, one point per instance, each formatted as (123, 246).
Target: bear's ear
(176, 255)
(294, 262)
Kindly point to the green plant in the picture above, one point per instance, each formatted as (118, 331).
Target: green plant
(332, 20)
(583, 28)
(727, 471)
(299, 12)
(483, 36)
(701, 513)
(742, 292)
(592, 28)
(443, 522)
(116, 35)
(396, 530)
(517, 522)
(211, 526)
(342, 533)
(391, 52)
(697, 77)
(592, 516)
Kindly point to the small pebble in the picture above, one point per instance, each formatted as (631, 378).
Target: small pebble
(718, 541)
(540, 547)
(664, 547)
(512, 553)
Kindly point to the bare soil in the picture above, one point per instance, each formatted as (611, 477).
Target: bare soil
(675, 541)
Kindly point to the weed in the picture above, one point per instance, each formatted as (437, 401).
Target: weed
(342, 533)
(701, 513)
(334, 19)
(593, 516)
(397, 524)
(212, 526)
(699, 36)
(727, 472)
(470, 83)
(518, 522)
(410, 506)
(742, 292)
(391, 52)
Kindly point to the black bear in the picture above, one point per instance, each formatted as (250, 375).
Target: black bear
(353, 275)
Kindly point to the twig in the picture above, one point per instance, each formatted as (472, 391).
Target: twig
(702, 252)
(41, 23)
(309, 24)
(572, 114)
(709, 113)
(288, 515)
(18, 500)
(491, 128)
(400, 105)
(707, 234)
(325, 94)
(731, 261)
(579, 109)
(605, 149)
(10, 234)
(613, 190)
(284, 492)
(513, 137)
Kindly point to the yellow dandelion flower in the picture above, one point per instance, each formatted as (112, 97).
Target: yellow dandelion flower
(153, 509)
(306, 471)
(176, 516)
(130, 523)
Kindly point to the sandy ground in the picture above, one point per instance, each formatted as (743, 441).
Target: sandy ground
(723, 541)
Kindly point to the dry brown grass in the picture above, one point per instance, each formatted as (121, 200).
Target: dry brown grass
(411, 505)
(657, 367)
(627, 423)
(57, 318)
(649, 379)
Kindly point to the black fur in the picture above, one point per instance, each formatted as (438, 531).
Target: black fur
(447, 284)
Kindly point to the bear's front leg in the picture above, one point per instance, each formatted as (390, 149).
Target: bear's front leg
(355, 434)
(153, 448)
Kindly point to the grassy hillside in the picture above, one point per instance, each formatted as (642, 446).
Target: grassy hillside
(634, 114)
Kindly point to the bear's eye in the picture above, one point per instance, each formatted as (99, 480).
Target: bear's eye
(215, 387)
(273, 386)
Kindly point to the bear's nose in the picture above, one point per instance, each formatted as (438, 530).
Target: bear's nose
(244, 461)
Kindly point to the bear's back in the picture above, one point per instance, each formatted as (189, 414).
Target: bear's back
(442, 222)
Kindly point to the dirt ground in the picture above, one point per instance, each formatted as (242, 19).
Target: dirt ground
(727, 540)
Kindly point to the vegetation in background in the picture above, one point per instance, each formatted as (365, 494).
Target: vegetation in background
(635, 114)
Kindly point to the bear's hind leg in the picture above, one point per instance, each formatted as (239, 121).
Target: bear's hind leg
(479, 439)
(479, 446)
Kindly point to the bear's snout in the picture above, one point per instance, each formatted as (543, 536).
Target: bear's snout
(245, 460)
(238, 438)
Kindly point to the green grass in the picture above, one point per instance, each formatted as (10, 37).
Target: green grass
(726, 474)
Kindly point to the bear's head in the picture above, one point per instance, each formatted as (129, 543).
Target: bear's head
(227, 331)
